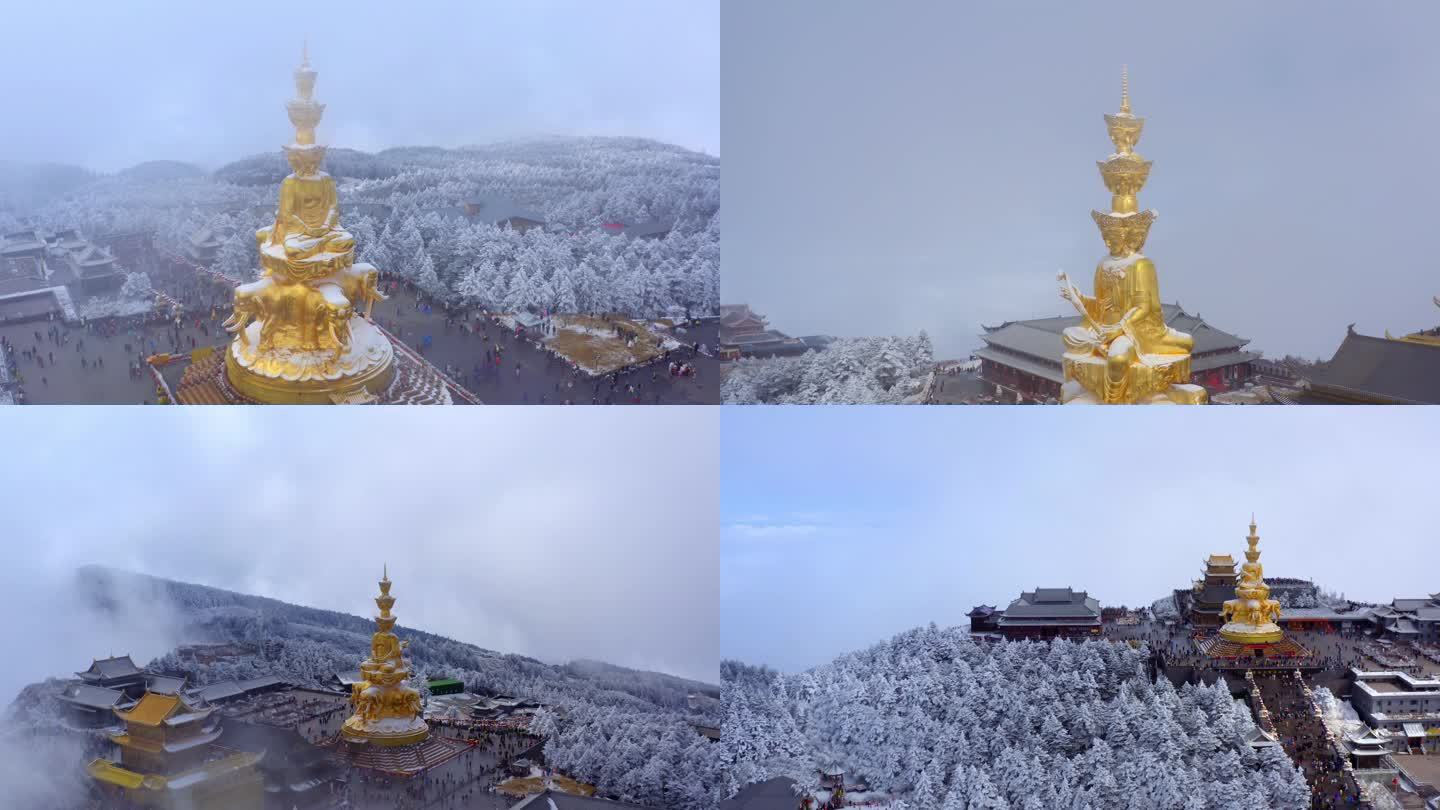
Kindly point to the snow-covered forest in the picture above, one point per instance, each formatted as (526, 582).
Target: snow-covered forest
(874, 370)
(569, 265)
(938, 720)
(614, 718)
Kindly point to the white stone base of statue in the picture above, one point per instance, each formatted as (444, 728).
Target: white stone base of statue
(386, 731)
(316, 376)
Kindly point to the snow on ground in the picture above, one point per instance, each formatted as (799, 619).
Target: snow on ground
(109, 307)
(592, 344)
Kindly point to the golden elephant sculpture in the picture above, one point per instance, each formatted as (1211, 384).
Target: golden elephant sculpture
(361, 284)
(293, 316)
(251, 304)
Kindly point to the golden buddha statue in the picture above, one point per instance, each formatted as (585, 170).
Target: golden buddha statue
(1123, 351)
(302, 332)
(387, 709)
(1250, 618)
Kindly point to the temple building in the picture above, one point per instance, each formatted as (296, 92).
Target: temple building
(1051, 612)
(1025, 357)
(1207, 597)
(1368, 370)
(204, 245)
(41, 272)
(303, 331)
(744, 333)
(1324, 619)
(169, 758)
(501, 212)
(984, 619)
(1409, 619)
(1401, 704)
(118, 673)
(1366, 750)
(92, 706)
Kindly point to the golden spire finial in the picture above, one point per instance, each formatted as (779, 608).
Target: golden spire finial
(385, 571)
(305, 52)
(1125, 88)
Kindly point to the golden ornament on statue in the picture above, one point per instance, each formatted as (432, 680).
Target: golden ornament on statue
(1123, 351)
(302, 332)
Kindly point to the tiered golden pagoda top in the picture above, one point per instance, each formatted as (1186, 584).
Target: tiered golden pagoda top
(387, 709)
(1250, 617)
(302, 333)
(1125, 227)
(1123, 352)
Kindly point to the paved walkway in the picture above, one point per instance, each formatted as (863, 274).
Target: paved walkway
(1304, 738)
(74, 365)
(543, 377)
(99, 370)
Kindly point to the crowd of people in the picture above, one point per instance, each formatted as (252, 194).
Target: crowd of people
(1178, 645)
(1296, 721)
(470, 780)
(489, 356)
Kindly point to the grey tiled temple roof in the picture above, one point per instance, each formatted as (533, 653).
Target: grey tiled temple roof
(118, 667)
(1039, 341)
(772, 794)
(94, 697)
(1379, 369)
(1051, 603)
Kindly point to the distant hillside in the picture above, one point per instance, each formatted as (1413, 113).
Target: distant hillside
(414, 230)
(270, 168)
(214, 615)
(628, 732)
(25, 185)
(160, 170)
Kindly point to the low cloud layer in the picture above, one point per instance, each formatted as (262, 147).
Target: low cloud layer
(843, 526)
(560, 534)
(933, 169)
(202, 82)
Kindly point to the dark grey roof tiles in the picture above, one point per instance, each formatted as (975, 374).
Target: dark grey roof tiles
(772, 794)
(1040, 337)
(93, 697)
(1379, 368)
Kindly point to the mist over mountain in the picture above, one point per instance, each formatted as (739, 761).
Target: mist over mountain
(616, 722)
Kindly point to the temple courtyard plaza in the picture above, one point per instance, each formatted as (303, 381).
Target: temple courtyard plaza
(1331, 650)
(464, 783)
(99, 372)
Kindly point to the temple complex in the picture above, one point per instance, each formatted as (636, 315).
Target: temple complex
(168, 758)
(1124, 351)
(1250, 628)
(303, 332)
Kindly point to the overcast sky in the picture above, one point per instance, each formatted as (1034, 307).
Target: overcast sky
(931, 165)
(107, 85)
(844, 526)
(555, 533)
